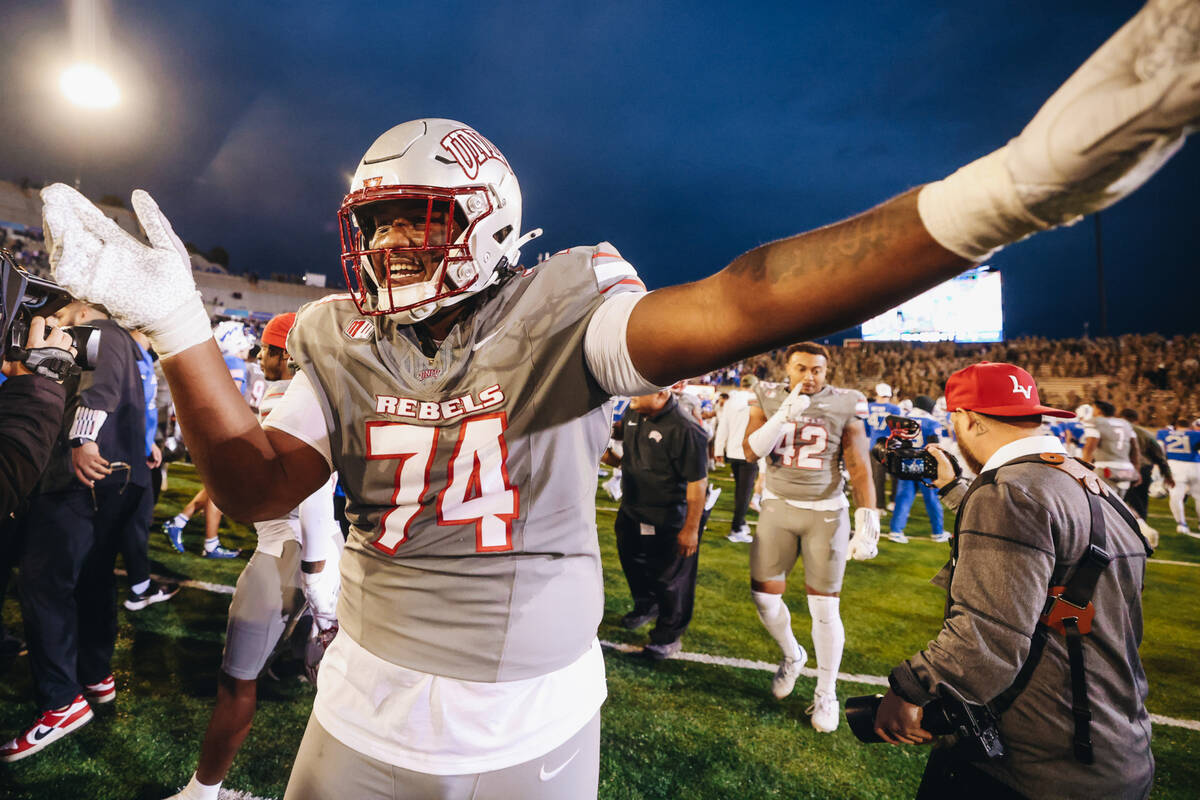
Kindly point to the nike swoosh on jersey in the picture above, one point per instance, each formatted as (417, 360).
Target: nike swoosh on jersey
(545, 776)
(486, 339)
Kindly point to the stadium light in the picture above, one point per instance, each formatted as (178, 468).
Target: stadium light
(88, 86)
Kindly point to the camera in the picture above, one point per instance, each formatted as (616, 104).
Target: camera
(23, 297)
(897, 454)
(975, 726)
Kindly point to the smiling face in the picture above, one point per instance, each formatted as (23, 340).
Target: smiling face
(409, 236)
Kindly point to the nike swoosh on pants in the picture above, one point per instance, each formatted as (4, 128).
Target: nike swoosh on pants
(544, 775)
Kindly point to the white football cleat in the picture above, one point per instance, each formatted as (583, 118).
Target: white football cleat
(785, 677)
(824, 711)
(898, 537)
(1181, 528)
(944, 536)
(741, 535)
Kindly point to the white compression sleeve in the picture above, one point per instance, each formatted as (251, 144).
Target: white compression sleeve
(319, 531)
(776, 618)
(607, 351)
(829, 638)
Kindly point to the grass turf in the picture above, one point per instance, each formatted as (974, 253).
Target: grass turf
(669, 730)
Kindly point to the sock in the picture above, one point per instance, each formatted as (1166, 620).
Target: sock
(180, 520)
(829, 637)
(211, 544)
(140, 587)
(778, 621)
(195, 790)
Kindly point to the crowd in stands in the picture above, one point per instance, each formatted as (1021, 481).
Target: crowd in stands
(1156, 376)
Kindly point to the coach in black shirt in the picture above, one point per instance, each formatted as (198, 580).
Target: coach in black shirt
(664, 478)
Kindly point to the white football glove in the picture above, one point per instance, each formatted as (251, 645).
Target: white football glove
(1111, 126)
(763, 440)
(321, 591)
(864, 545)
(149, 288)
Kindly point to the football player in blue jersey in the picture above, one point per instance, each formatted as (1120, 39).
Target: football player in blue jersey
(1181, 443)
(906, 490)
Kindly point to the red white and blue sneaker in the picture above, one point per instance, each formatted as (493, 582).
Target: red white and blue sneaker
(51, 726)
(174, 534)
(221, 551)
(104, 691)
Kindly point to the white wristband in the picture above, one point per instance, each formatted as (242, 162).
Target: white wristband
(186, 326)
(976, 210)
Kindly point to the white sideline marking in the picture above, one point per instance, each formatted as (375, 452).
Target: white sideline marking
(699, 658)
(745, 663)
(215, 588)
(1172, 563)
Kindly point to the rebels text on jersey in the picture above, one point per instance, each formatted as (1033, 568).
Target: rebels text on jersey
(470, 475)
(806, 463)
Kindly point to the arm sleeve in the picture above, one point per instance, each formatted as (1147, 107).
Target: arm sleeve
(318, 527)
(1005, 561)
(31, 412)
(607, 351)
(299, 414)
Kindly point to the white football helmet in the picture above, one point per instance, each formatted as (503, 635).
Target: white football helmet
(1085, 412)
(460, 176)
(232, 338)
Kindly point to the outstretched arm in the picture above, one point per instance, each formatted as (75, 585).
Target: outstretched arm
(251, 472)
(1110, 127)
(789, 290)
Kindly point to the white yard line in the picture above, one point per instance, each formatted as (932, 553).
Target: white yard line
(699, 658)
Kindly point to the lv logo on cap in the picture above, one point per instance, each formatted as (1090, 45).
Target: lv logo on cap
(1025, 390)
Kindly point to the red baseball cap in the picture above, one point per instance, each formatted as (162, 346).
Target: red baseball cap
(1001, 390)
(276, 331)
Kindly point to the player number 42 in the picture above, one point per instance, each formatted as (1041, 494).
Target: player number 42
(799, 448)
(477, 487)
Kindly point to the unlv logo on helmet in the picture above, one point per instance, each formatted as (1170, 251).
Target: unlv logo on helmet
(471, 150)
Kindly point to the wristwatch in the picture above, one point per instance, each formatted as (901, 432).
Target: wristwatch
(79, 441)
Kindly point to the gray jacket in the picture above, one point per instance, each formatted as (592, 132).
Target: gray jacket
(1017, 537)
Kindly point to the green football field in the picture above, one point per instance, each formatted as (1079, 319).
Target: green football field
(701, 726)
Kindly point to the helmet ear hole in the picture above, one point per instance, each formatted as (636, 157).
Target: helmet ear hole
(502, 234)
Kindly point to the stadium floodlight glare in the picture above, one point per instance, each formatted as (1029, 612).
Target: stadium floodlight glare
(88, 86)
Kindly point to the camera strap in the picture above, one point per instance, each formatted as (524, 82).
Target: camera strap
(1068, 609)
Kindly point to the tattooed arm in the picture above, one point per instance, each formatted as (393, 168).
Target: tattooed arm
(798, 288)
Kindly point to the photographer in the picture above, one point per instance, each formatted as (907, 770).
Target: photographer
(1069, 690)
(31, 410)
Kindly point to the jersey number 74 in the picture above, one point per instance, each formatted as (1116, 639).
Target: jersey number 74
(477, 488)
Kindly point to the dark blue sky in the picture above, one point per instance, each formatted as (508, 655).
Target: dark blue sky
(684, 132)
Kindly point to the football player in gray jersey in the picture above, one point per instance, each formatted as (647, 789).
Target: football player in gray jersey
(805, 433)
(461, 398)
(1110, 443)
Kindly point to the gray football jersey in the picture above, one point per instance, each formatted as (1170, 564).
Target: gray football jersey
(806, 464)
(470, 476)
(1115, 435)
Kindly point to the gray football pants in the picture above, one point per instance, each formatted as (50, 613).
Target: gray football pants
(326, 769)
